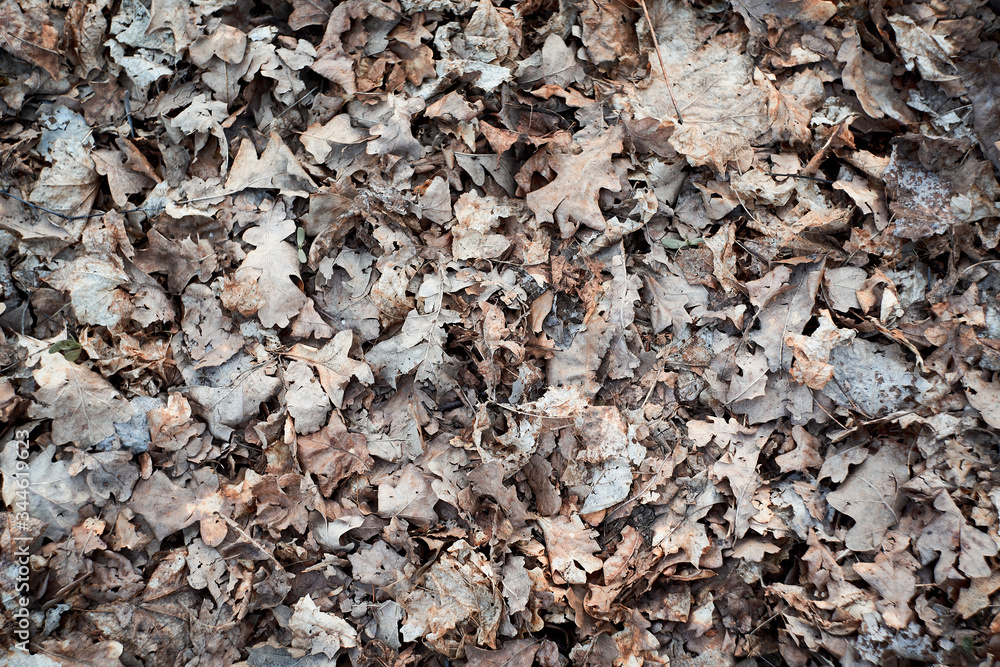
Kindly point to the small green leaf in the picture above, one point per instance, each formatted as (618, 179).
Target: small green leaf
(300, 236)
(69, 349)
(63, 345)
(302, 256)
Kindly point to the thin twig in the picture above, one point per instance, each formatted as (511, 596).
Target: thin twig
(809, 178)
(659, 56)
(8, 193)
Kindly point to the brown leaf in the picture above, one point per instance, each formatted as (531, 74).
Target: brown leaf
(53, 494)
(873, 497)
(82, 405)
(572, 196)
(785, 301)
(31, 36)
(410, 497)
(122, 180)
(515, 653)
(268, 268)
(475, 220)
(456, 601)
(871, 79)
(738, 463)
(811, 353)
(334, 366)
(333, 454)
(169, 506)
(893, 576)
(276, 168)
(983, 396)
(179, 260)
(208, 332)
(571, 548)
(950, 536)
(305, 400)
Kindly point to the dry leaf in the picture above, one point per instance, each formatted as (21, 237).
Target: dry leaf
(571, 548)
(54, 495)
(267, 270)
(82, 405)
(873, 496)
(334, 366)
(954, 540)
(333, 454)
(276, 168)
(572, 196)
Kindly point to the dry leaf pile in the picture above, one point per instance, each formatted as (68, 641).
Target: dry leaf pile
(423, 332)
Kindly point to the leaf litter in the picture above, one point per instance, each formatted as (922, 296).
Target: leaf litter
(431, 332)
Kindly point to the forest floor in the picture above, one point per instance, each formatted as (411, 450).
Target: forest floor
(445, 332)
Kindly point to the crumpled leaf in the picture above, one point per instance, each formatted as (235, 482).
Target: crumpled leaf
(333, 454)
(871, 80)
(784, 299)
(475, 219)
(319, 631)
(179, 260)
(457, 600)
(724, 110)
(233, 393)
(811, 353)
(419, 347)
(738, 464)
(410, 497)
(334, 366)
(571, 548)
(209, 333)
(304, 397)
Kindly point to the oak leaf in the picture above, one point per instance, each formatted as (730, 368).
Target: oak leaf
(871, 80)
(179, 260)
(122, 179)
(812, 353)
(170, 505)
(873, 495)
(456, 600)
(578, 173)
(267, 269)
(304, 398)
(334, 366)
(571, 548)
(54, 494)
(319, 631)
(410, 497)
(950, 536)
(333, 454)
(82, 405)
(275, 169)
(419, 347)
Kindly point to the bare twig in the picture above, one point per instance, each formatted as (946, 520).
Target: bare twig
(659, 56)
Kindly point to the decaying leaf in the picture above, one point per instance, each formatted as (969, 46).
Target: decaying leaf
(412, 332)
